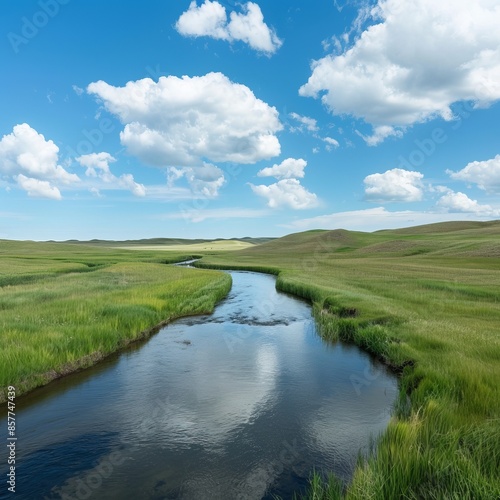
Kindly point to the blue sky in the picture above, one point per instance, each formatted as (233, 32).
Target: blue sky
(205, 119)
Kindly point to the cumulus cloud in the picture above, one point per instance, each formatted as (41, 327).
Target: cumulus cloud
(394, 185)
(413, 63)
(205, 181)
(185, 121)
(210, 19)
(486, 174)
(460, 202)
(30, 160)
(37, 188)
(188, 123)
(287, 169)
(286, 193)
(97, 165)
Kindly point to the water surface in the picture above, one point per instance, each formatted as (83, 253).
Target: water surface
(241, 404)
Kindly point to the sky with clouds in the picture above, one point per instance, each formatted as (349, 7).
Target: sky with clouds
(206, 119)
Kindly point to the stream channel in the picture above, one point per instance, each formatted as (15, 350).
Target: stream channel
(242, 404)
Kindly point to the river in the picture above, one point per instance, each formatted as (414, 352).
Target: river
(241, 404)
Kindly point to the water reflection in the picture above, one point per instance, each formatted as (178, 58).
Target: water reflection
(240, 404)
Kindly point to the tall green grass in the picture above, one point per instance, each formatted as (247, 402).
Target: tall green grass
(58, 314)
(434, 317)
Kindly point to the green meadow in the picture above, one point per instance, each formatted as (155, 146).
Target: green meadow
(64, 307)
(426, 301)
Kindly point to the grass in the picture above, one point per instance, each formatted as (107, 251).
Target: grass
(426, 301)
(64, 307)
(221, 245)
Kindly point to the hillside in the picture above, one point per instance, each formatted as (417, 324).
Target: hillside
(447, 239)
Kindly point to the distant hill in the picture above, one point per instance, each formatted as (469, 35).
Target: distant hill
(447, 227)
(457, 239)
(165, 241)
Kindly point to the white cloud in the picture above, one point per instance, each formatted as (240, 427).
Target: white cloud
(286, 193)
(97, 165)
(374, 219)
(26, 151)
(99, 161)
(210, 19)
(204, 181)
(486, 174)
(32, 161)
(409, 67)
(379, 135)
(287, 169)
(127, 181)
(394, 185)
(305, 121)
(331, 143)
(250, 28)
(37, 188)
(186, 121)
(77, 90)
(460, 202)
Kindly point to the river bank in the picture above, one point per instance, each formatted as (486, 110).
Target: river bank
(66, 308)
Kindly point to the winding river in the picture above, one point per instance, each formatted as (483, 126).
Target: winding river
(241, 404)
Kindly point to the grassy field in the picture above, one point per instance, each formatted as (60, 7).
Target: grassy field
(209, 246)
(65, 307)
(426, 301)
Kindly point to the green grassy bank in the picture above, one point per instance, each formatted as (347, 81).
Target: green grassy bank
(65, 307)
(426, 301)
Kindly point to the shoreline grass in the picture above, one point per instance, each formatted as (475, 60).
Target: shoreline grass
(434, 317)
(62, 311)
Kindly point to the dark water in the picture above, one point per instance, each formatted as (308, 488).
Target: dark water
(241, 405)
